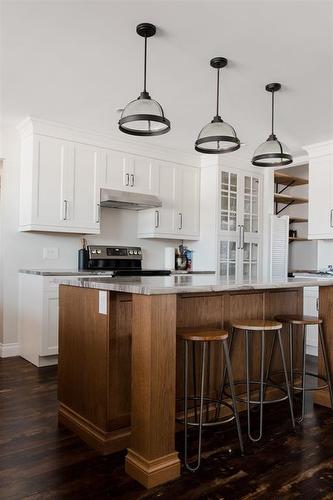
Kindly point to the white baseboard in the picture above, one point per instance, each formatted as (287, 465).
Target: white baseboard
(9, 350)
(312, 350)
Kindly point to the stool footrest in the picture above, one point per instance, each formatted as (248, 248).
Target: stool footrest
(207, 400)
(243, 399)
(305, 388)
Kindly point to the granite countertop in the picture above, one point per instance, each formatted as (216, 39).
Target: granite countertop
(159, 285)
(75, 272)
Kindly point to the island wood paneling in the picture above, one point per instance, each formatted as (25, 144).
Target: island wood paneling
(98, 365)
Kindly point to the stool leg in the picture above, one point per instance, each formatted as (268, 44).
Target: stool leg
(194, 371)
(327, 367)
(286, 378)
(233, 395)
(268, 371)
(248, 392)
(301, 418)
(221, 391)
(202, 387)
(291, 361)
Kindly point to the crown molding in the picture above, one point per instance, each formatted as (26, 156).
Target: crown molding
(63, 131)
(320, 149)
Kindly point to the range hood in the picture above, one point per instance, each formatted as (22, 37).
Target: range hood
(113, 198)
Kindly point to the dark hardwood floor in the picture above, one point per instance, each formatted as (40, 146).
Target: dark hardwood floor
(39, 460)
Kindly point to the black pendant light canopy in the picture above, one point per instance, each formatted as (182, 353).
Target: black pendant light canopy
(272, 153)
(144, 116)
(217, 136)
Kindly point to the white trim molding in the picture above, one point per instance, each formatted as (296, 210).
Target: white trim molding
(9, 350)
(47, 128)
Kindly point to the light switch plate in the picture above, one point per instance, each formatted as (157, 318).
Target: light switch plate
(51, 253)
(102, 306)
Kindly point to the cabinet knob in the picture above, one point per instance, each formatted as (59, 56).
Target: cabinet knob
(65, 210)
(127, 180)
(132, 180)
(180, 221)
(98, 218)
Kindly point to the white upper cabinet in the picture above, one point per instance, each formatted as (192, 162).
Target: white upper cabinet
(130, 173)
(188, 185)
(320, 191)
(179, 191)
(59, 186)
(84, 192)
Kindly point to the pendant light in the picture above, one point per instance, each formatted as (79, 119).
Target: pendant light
(218, 136)
(272, 153)
(144, 116)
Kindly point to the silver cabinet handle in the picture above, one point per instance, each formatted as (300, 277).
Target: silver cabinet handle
(127, 180)
(65, 209)
(157, 218)
(98, 218)
(180, 221)
(132, 180)
(239, 237)
(317, 304)
(331, 218)
(242, 238)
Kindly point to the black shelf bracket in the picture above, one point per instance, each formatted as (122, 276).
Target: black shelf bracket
(277, 212)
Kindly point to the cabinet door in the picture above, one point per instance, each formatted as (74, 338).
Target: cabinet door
(52, 164)
(83, 208)
(320, 198)
(228, 265)
(161, 221)
(250, 205)
(250, 269)
(188, 201)
(115, 176)
(229, 203)
(143, 174)
(50, 323)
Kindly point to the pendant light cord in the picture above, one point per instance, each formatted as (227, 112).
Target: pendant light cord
(273, 113)
(217, 92)
(145, 67)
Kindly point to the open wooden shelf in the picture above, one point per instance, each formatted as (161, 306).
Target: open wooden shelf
(289, 180)
(287, 199)
(297, 220)
(297, 239)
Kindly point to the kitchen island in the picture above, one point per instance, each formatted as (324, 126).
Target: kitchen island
(120, 368)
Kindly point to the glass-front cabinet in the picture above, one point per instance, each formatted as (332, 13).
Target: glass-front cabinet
(240, 225)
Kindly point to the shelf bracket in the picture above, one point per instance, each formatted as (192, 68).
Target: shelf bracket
(286, 187)
(277, 212)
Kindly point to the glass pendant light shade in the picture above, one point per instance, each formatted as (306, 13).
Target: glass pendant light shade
(272, 153)
(217, 136)
(144, 116)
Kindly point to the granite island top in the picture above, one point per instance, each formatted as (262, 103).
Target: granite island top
(159, 285)
(75, 272)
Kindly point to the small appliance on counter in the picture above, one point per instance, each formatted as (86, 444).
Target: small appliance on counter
(115, 261)
(183, 258)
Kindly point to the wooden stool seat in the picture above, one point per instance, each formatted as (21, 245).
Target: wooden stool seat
(257, 324)
(299, 320)
(202, 334)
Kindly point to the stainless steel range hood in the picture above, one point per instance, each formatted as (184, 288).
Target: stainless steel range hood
(113, 198)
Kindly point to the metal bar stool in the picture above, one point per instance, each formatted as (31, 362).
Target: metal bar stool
(304, 321)
(265, 327)
(204, 337)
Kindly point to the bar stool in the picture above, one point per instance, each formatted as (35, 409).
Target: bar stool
(249, 327)
(304, 322)
(204, 337)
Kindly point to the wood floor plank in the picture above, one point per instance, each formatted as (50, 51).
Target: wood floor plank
(41, 461)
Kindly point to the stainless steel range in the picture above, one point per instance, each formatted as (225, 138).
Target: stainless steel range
(115, 261)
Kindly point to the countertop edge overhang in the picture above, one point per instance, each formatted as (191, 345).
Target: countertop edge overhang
(186, 284)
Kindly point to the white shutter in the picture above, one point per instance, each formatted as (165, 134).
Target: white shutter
(279, 247)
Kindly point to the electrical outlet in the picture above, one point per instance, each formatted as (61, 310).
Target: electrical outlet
(51, 253)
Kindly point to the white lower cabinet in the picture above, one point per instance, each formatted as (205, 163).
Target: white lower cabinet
(38, 318)
(178, 218)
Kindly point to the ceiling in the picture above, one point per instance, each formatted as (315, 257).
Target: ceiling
(79, 62)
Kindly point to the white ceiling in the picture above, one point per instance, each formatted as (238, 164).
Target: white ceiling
(79, 62)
